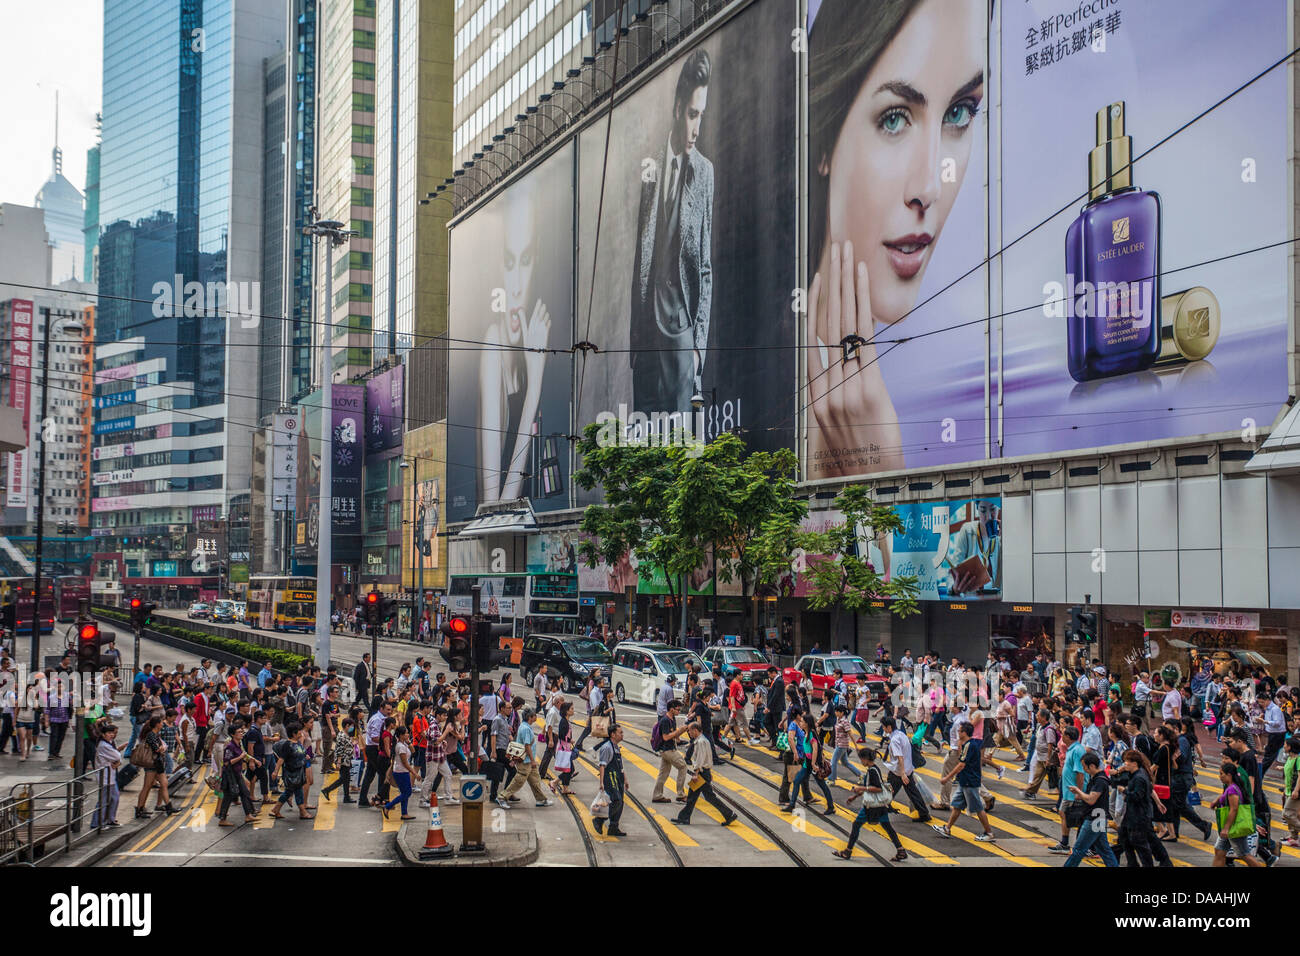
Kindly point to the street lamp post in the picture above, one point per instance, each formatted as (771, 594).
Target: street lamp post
(697, 403)
(332, 231)
(67, 327)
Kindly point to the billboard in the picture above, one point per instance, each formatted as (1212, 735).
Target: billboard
(896, 236)
(1162, 311)
(385, 414)
(1134, 295)
(284, 461)
(20, 382)
(348, 429)
(508, 410)
(953, 549)
(691, 187)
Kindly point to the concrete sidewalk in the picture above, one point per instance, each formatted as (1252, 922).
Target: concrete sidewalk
(512, 848)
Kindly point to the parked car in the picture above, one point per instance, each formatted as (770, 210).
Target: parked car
(200, 611)
(750, 661)
(823, 666)
(567, 656)
(641, 670)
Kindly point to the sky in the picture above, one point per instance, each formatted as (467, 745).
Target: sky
(52, 44)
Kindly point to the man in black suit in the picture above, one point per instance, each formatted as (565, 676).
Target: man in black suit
(672, 291)
(361, 677)
(775, 703)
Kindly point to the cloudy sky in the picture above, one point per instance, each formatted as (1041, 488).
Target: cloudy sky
(50, 44)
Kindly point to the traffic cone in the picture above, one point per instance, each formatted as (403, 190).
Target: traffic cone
(435, 844)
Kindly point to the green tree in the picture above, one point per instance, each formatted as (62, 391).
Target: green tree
(724, 497)
(835, 562)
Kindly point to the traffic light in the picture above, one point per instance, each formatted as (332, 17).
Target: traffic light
(88, 646)
(1088, 626)
(1074, 629)
(141, 613)
(455, 648)
(372, 609)
(487, 645)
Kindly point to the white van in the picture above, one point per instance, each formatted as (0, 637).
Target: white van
(641, 670)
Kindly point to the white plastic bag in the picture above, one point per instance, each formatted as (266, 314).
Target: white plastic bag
(600, 806)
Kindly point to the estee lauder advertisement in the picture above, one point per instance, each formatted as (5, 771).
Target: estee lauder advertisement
(1120, 279)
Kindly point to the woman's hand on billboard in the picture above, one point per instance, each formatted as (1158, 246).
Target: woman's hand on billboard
(536, 335)
(854, 427)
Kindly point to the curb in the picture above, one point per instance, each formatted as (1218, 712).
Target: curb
(121, 838)
(526, 855)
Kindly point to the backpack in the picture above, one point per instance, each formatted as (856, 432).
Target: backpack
(657, 737)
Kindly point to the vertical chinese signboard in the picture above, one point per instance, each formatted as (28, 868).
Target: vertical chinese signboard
(20, 365)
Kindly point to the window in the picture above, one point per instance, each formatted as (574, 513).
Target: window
(363, 8)
(362, 134)
(363, 39)
(364, 228)
(362, 196)
(360, 260)
(361, 70)
(363, 166)
(359, 292)
(363, 102)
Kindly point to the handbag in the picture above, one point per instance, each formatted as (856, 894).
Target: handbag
(564, 760)
(599, 726)
(1243, 826)
(783, 742)
(1077, 813)
(1193, 798)
(515, 750)
(143, 756)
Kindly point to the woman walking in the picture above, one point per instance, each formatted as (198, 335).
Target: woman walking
(1236, 820)
(403, 772)
(233, 785)
(875, 807)
(154, 769)
(812, 759)
(563, 750)
(344, 747)
(1140, 806)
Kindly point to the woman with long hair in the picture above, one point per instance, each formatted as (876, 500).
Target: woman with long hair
(564, 745)
(154, 772)
(875, 808)
(895, 86)
(1136, 838)
(512, 364)
(403, 772)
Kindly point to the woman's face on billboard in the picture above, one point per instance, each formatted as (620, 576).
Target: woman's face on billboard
(519, 256)
(902, 153)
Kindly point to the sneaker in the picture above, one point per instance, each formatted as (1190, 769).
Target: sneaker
(942, 831)
(984, 838)
(545, 803)
(450, 799)
(503, 804)
(1000, 771)
(1291, 841)
(1061, 849)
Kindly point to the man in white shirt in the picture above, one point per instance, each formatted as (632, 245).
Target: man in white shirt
(901, 770)
(667, 694)
(539, 686)
(1142, 699)
(1275, 727)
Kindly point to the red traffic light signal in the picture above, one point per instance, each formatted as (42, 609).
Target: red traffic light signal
(458, 626)
(455, 648)
(135, 603)
(372, 597)
(88, 646)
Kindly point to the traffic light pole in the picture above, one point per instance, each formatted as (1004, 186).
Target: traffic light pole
(475, 616)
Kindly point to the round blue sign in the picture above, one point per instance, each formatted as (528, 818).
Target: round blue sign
(471, 790)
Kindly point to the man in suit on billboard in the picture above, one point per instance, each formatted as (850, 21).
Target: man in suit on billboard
(672, 289)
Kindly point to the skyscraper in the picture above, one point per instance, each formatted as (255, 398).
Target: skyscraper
(64, 215)
(180, 254)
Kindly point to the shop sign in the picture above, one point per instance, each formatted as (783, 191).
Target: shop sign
(1156, 620)
(1216, 620)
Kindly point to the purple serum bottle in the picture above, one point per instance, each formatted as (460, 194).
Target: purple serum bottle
(1112, 263)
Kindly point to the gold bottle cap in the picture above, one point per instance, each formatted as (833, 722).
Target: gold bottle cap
(1109, 166)
(1189, 325)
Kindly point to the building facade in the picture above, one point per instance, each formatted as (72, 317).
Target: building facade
(180, 206)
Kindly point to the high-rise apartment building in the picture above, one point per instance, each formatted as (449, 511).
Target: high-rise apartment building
(180, 203)
(344, 186)
(508, 53)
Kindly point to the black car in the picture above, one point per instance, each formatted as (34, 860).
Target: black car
(566, 656)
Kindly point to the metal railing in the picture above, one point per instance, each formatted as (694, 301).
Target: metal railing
(41, 821)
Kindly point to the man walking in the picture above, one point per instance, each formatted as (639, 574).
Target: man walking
(363, 676)
(967, 797)
(664, 742)
(901, 769)
(612, 780)
(701, 785)
(374, 730)
(775, 704)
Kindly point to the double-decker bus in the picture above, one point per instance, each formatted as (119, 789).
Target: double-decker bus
(69, 591)
(17, 597)
(277, 603)
(532, 603)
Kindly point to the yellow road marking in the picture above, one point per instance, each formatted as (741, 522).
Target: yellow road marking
(177, 819)
(325, 809)
(750, 836)
(672, 830)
